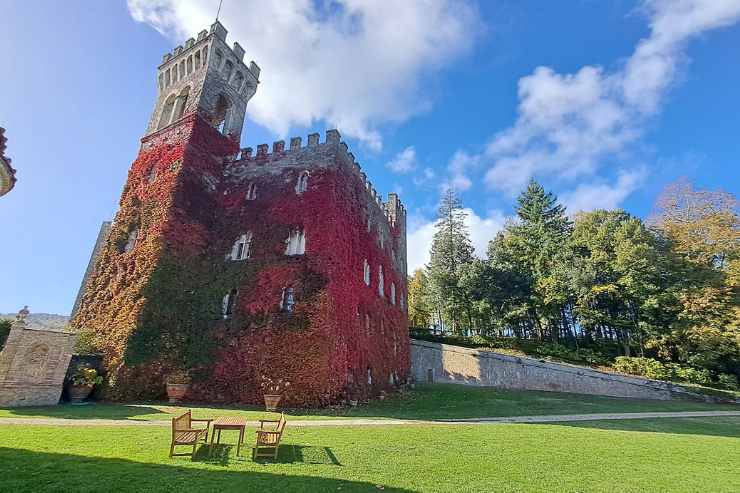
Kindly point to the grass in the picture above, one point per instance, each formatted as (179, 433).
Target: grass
(429, 402)
(697, 454)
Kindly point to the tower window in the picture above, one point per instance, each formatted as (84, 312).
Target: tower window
(167, 78)
(238, 80)
(133, 236)
(180, 102)
(169, 105)
(302, 183)
(228, 68)
(367, 324)
(152, 176)
(296, 243)
(161, 81)
(366, 273)
(380, 281)
(221, 114)
(190, 65)
(242, 247)
(197, 60)
(287, 300)
(227, 306)
(182, 69)
(393, 293)
(252, 191)
(369, 376)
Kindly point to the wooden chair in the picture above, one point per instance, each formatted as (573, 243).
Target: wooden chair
(268, 440)
(183, 432)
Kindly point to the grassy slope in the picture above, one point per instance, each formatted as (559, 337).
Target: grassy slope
(661, 455)
(426, 402)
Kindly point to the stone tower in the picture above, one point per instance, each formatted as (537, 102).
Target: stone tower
(238, 267)
(207, 77)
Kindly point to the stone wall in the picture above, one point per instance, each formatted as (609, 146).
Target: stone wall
(32, 366)
(442, 363)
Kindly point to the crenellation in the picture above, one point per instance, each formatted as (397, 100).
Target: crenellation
(178, 49)
(333, 136)
(219, 31)
(313, 139)
(262, 150)
(202, 35)
(189, 43)
(278, 146)
(295, 143)
(238, 51)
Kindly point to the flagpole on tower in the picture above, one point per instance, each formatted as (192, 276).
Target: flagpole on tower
(218, 12)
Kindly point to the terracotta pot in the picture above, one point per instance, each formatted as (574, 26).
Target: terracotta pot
(272, 401)
(78, 393)
(176, 391)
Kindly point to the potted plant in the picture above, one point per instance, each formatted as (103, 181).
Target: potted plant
(178, 384)
(272, 391)
(82, 383)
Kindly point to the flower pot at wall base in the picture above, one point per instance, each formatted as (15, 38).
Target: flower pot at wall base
(272, 401)
(78, 393)
(176, 391)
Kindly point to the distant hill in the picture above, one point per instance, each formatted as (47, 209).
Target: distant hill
(49, 321)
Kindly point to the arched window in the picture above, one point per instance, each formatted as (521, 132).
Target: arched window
(221, 114)
(287, 300)
(167, 78)
(133, 236)
(242, 247)
(227, 305)
(366, 273)
(169, 104)
(180, 103)
(302, 183)
(182, 69)
(228, 68)
(252, 191)
(152, 176)
(197, 60)
(161, 81)
(217, 61)
(238, 80)
(190, 65)
(380, 281)
(205, 56)
(393, 293)
(296, 243)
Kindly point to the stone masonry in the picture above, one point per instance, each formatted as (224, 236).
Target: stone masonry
(441, 363)
(32, 366)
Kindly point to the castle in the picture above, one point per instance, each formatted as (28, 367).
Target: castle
(7, 173)
(233, 266)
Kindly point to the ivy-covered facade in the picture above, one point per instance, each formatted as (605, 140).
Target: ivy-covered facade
(233, 267)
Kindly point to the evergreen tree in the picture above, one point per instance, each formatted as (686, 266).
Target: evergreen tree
(451, 250)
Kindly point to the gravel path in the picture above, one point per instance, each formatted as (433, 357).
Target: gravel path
(553, 418)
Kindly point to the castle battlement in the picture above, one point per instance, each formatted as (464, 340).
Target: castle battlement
(295, 154)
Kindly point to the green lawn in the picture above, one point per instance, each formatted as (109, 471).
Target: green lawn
(426, 402)
(697, 454)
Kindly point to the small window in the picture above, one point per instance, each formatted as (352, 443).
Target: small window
(182, 69)
(366, 273)
(380, 281)
(205, 56)
(190, 65)
(302, 183)
(227, 307)
(228, 68)
(152, 176)
(161, 81)
(380, 238)
(369, 223)
(197, 60)
(242, 247)
(393, 293)
(168, 77)
(252, 191)
(133, 236)
(296, 243)
(238, 80)
(367, 324)
(401, 301)
(369, 376)
(287, 300)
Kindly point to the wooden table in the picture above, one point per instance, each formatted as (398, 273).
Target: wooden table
(229, 423)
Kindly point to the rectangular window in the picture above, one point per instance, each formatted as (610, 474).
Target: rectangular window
(296, 243)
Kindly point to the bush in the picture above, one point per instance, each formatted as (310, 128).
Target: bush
(645, 367)
(4, 331)
(688, 374)
(728, 381)
(85, 342)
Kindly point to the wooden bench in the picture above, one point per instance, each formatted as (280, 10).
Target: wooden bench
(268, 440)
(183, 432)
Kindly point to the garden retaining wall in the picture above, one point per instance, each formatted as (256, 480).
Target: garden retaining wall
(434, 362)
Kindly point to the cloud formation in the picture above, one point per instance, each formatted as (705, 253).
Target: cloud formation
(356, 64)
(568, 125)
(598, 195)
(403, 162)
(421, 232)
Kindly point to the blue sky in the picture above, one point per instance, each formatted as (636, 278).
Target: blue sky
(605, 102)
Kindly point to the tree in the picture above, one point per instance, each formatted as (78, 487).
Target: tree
(451, 250)
(420, 312)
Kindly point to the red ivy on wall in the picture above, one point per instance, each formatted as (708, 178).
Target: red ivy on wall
(158, 308)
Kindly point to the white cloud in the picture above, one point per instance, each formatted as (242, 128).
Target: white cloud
(403, 162)
(421, 233)
(570, 124)
(426, 175)
(590, 196)
(355, 63)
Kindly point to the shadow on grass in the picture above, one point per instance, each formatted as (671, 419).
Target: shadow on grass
(726, 426)
(225, 455)
(26, 471)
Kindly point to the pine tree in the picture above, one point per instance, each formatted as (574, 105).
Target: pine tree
(451, 250)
